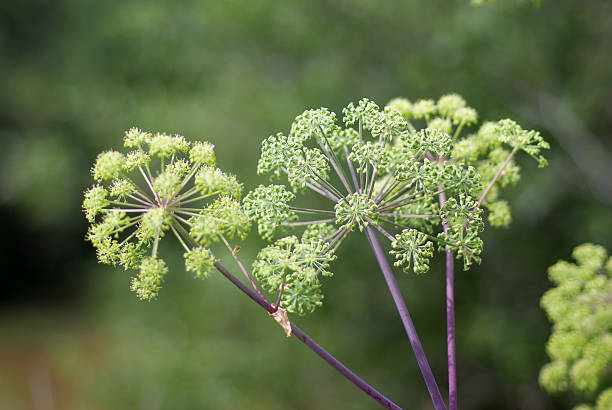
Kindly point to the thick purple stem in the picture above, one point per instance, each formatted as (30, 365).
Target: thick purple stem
(450, 320)
(430, 381)
(345, 371)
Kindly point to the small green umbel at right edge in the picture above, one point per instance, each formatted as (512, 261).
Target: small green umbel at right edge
(580, 346)
(165, 184)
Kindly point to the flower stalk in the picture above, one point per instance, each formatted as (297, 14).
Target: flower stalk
(312, 345)
(419, 353)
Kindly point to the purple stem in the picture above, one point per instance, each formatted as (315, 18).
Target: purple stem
(351, 169)
(450, 320)
(322, 191)
(319, 221)
(372, 182)
(345, 371)
(339, 171)
(408, 215)
(484, 194)
(382, 189)
(430, 381)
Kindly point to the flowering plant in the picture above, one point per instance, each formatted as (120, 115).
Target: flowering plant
(406, 171)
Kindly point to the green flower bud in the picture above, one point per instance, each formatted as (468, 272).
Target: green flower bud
(108, 165)
(356, 209)
(154, 222)
(164, 146)
(411, 247)
(499, 214)
(465, 115)
(449, 104)
(584, 376)
(401, 105)
(554, 377)
(148, 282)
(200, 261)
(95, 200)
(135, 138)
(136, 159)
(442, 124)
(604, 401)
(424, 109)
(298, 266)
(122, 188)
(269, 206)
(203, 153)
(167, 184)
(590, 256)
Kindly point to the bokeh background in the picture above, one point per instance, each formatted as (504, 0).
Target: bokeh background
(75, 74)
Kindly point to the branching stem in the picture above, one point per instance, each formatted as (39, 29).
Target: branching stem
(419, 353)
(304, 338)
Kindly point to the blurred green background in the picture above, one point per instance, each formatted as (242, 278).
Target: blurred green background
(76, 74)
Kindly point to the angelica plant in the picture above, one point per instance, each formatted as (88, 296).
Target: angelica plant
(166, 185)
(580, 346)
(422, 189)
(180, 193)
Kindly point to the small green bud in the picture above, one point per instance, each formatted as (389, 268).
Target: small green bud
(411, 247)
(164, 146)
(136, 159)
(212, 181)
(131, 256)
(590, 256)
(554, 377)
(108, 165)
(566, 346)
(316, 124)
(356, 209)
(465, 115)
(401, 105)
(200, 261)
(298, 265)
(442, 124)
(95, 200)
(424, 109)
(154, 222)
(585, 375)
(149, 279)
(366, 113)
(531, 142)
(449, 104)
(269, 206)
(499, 214)
(167, 184)
(604, 401)
(225, 216)
(122, 188)
(203, 153)
(135, 138)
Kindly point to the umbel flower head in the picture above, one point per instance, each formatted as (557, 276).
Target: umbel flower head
(580, 308)
(378, 169)
(163, 185)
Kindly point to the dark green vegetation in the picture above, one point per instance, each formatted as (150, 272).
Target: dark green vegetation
(76, 74)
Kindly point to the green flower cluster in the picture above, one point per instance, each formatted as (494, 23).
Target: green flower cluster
(292, 267)
(580, 308)
(380, 170)
(164, 184)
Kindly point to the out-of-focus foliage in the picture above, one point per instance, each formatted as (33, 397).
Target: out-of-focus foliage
(76, 74)
(580, 307)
